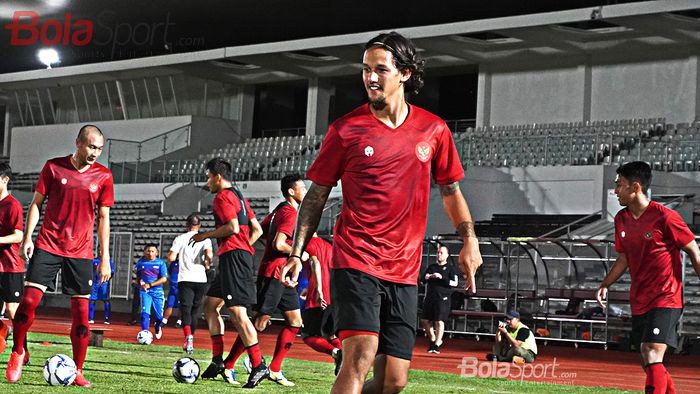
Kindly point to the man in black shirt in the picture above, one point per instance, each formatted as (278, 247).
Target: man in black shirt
(440, 278)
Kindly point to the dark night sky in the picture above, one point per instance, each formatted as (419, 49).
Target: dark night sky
(126, 28)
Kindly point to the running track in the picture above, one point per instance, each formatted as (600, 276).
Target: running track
(580, 367)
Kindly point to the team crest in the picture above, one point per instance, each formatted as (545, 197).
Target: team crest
(648, 235)
(93, 187)
(423, 151)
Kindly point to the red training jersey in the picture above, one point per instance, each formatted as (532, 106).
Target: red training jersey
(385, 174)
(73, 196)
(323, 251)
(281, 220)
(652, 244)
(10, 220)
(227, 206)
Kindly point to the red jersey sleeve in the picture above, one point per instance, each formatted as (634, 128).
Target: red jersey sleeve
(312, 247)
(106, 198)
(44, 182)
(16, 214)
(328, 167)
(446, 165)
(678, 230)
(226, 206)
(286, 220)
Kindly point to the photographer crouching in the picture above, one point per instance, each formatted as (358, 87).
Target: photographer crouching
(514, 341)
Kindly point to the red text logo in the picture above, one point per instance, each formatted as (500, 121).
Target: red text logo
(26, 29)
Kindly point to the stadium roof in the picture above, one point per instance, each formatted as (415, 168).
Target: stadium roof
(486, 36)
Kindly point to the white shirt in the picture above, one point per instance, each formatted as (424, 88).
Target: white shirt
(191, 257)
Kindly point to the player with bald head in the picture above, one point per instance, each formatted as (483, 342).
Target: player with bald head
(75, 187)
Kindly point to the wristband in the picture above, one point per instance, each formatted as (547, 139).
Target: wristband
(294, 255)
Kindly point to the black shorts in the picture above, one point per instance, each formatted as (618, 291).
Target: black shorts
(436, 308)
(76, 274)
(318, 323)
(11, 286)
(235, 280)
(273, 295)
(659, 325)
(365, 303)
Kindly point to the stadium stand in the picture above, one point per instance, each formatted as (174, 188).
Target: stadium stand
(667, 147)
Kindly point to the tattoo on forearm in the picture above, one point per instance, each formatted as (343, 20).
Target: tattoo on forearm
(309, 215)
(448, 190)
(466, 229)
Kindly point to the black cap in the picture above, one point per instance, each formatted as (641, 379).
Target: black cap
(512, 315)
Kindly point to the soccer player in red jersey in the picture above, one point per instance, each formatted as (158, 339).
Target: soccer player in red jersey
(278, 228)
(75, 186)
(318, 331)
(11, 265)
(648, 239)
(234, 286)
(384, 152)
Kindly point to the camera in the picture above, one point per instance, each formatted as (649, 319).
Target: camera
(503, 324)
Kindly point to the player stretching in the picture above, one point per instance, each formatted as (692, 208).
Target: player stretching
(278, 228)
(76, 186)
(384, 152)
(318, 331)
(648, 239)
(11, 265)
(234, 286)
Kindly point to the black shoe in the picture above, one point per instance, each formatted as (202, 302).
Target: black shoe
(491, 357)
(338, 360)
(436, 349)
(431, 347)
(214, 369)
(257, 375)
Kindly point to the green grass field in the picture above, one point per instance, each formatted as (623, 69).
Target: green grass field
(124, 367)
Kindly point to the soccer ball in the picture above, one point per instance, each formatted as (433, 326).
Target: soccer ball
(60, 370)
(186, 370)
(144, 337)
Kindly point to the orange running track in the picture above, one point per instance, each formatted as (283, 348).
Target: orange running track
(556, 364)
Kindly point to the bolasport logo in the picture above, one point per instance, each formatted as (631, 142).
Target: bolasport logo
(28, 28)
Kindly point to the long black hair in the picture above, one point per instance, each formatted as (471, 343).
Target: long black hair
(405, 58)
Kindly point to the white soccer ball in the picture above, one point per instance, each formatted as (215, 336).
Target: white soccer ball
(186, 370)
(144, 337)
(60, 370)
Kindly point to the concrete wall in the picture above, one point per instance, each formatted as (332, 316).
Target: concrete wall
(32, 146)
(616, 85)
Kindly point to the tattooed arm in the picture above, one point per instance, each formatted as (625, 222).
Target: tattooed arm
(458, 211)
(307, 221)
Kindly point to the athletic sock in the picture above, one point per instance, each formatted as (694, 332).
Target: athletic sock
(319, 344)
(236, 350)
(670, 388)
(656, 382)
(145, 320)
(80, 330)
(108, 310)
(91, 311)
(255, 355)
(337, 343)
(285, 339)
(187, 330)
(217, 346)
(24, 317)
